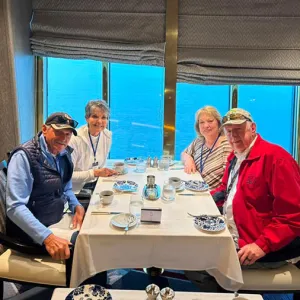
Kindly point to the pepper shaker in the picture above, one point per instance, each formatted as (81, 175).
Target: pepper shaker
(167, 294)
(155, 162)
(149, 162)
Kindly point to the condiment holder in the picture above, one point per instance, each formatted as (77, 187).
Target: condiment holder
(152, 291)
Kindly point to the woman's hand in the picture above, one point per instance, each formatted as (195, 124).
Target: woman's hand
(189, 165)
(104, 172)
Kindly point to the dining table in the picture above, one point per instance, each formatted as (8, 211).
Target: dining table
(174, 243)
(61, 294)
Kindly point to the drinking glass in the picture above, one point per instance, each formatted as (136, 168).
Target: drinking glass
(168, 192)
(135, 206)
(164, 163)
(141, 165)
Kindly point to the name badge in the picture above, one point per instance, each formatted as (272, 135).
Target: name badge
(151, 215)
(95, 165)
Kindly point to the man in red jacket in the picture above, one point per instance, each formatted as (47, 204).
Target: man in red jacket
(261, 189)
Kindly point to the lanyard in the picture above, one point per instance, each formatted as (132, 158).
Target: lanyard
(202, 162)
(233, 178)
(94, 149)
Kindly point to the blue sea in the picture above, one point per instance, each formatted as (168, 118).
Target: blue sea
(137, 104)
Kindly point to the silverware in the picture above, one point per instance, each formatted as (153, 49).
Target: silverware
(187, 194)
(129, 220)
(109, 180)
(204, 215)
(105, 212)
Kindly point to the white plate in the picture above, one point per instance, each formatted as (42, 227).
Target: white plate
(89, 291)
(196, 185)
(123, 219)
(125, 186)
(210, 224)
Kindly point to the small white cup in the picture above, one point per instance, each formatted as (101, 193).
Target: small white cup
(106, 197)
(175, 181)
(119, 167)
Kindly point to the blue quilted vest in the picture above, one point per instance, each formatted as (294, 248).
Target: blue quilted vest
(47, 199)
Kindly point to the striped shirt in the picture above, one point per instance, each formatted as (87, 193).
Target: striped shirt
(215, 162)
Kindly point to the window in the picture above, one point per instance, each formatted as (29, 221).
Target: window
(272, 110)
(189, 99)
(136, 103)
(70, 84)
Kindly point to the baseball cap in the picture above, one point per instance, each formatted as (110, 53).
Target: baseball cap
(236, 116)
(61, 120)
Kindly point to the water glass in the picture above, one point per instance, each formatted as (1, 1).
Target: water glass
(164, 163)
(168, 192)
(141, 165)
(135, 206)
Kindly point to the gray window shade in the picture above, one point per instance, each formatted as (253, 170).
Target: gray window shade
(114, 31)
(239, 41)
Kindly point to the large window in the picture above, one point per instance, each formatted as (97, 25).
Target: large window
(136, 103)
(190, 98)
(70, 84)
(136, 99)
(272, 110)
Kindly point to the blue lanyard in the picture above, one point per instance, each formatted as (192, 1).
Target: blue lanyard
(202, 162)
(94, 149)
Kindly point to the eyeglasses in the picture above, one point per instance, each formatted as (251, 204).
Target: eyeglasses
(234, 117)
(63, 120)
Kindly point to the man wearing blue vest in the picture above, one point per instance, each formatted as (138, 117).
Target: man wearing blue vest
(39, 186)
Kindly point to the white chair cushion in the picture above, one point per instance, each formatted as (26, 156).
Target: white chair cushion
(42, 270)
(284, 278)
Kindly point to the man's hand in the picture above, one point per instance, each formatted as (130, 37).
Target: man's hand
(104, 172)
(57, 247)
(78, 217)
(189, 166)
(249, 254)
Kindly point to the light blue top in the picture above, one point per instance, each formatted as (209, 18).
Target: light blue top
(18, 190)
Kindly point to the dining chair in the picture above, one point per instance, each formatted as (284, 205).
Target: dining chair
(26, 263)
(284, 280)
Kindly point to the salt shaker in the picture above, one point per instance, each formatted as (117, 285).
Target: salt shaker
(155, 162)
(152, 291)
(167, 294)
(149, 162)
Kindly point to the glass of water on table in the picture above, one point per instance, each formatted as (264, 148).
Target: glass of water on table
(135, 206)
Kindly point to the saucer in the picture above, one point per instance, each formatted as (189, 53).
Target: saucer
(89, 291)
(125, 171)
(121, 220)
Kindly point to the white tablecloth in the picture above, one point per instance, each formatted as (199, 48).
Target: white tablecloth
(175, 243)
(60, 294)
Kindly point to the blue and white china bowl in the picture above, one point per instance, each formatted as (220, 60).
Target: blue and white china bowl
(131, 161)
(125, 186)
(196, 185)
(210, 223)
(89, 292)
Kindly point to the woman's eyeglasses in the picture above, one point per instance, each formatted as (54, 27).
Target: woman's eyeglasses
(234, 117)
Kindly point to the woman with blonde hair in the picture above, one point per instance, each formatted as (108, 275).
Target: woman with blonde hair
(208, 153)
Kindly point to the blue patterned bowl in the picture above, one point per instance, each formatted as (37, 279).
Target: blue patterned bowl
(89, 292)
